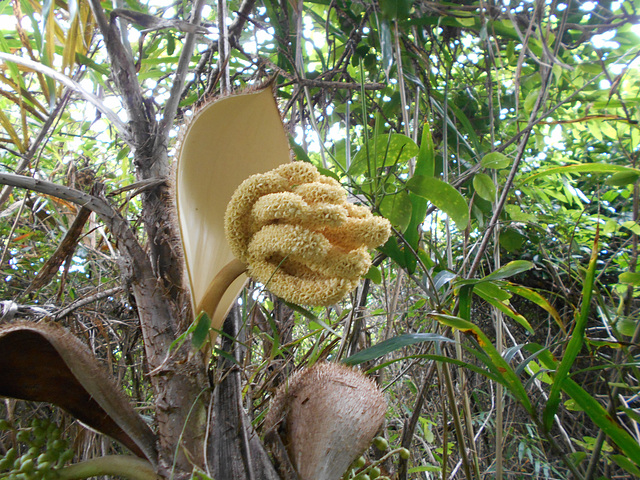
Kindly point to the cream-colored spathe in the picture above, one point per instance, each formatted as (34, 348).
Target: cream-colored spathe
(226, 142)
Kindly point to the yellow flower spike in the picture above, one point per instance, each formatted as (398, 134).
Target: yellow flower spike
(226, 142)
(298, 235)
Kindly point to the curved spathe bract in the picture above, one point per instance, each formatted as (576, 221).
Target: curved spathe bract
(226, 142)
(45, 363)
(326, 416)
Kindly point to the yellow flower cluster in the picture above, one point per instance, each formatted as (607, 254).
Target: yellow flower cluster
(298, 235)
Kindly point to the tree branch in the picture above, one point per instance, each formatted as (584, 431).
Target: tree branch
(152, 304)
(180, 75)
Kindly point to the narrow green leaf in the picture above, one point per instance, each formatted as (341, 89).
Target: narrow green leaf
(426, 164)
(463, 127)
(539, 300)
(484, 186)
(443, 196)
(465, 296)
(493, 289)
(201, 330)
(575, 342)
(443, 359)
(601, 417)
(386, 45)
(507, 375)
(626, 464)
(582, 168)
(510, 269)
(302, 311)
(413, 233)
(392, 344)
(503, 307)
(495, 160)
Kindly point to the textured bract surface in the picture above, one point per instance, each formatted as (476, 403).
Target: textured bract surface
(299, 236)
(326, 415)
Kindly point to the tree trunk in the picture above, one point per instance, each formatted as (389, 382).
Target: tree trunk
(234, 451)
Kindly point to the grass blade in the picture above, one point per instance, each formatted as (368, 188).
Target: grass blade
(575, 342)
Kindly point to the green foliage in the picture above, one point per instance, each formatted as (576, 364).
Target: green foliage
(45, 452)
(424, 112)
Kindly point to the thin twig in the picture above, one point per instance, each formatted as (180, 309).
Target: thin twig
(73, 85)
(85, 301)
(171, 108)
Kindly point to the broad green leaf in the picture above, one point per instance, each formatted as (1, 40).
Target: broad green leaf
(397, 209)
(495, 160)
(517, 215)
(631, 225)
(392, 344)
(583, 168)
(627, 326)
(484, 186)
(395, 9)
(374, 275)
(511, 240)
(394, 251)
(466, 21)
(384, 151)
(632, 278)
(443, 196)
(510, 269)
(530, 101)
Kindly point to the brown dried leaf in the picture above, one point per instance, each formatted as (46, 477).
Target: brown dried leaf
(45, 363)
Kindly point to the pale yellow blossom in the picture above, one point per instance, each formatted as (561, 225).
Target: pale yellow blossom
(298, 234)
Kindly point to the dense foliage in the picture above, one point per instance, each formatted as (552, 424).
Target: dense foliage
(500, 139)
